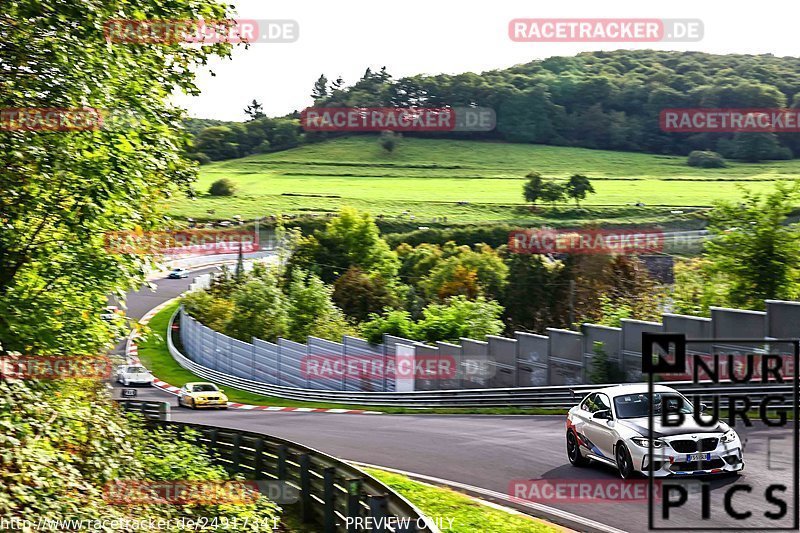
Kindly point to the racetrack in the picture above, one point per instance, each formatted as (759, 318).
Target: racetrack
(491, 452)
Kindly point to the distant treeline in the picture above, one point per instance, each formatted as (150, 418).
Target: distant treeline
(606, 100)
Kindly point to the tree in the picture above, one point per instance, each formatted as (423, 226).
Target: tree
(754, 246)
(61, 192)
(222, 285)
(388, 140)
(260, 310)
(254, 110)
(552, 192)
(360, 293)
(578, 187)
(350, 240)
(311, 310)
(459, 317)
(239, 272)
(533, 299)
(697, 288)
(396, 322)
(468, 273)
(705, 159)
(532, 190)
(217, 142)
(603, 369)
(320, 90)
(213, 312)
(337, 84)
(222, 187)
(754, 147)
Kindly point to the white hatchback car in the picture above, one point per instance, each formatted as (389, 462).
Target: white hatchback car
(610, 425)
(134, 375)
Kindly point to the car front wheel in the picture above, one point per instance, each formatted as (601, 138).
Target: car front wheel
(624, 461)
(576, 458)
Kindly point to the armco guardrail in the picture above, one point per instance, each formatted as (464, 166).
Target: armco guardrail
(553, 397)
(330, 490)
(150, 410)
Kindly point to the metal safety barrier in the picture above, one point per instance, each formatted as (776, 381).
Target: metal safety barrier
(553, 397)
(332, 494)
(150, 410)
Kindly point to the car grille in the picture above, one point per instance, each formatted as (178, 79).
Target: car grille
(690, 446)
(212, 398)
(697, 465)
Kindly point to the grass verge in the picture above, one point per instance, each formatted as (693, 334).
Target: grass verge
(155, 355)
(467, 515)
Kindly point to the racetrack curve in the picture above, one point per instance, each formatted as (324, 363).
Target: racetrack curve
(491, 452)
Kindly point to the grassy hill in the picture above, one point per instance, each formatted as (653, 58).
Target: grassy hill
(434, 177)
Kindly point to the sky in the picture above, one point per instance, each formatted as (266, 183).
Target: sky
(445, 36)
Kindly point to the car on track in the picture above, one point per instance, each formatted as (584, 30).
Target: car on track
(178, 273)
(134, 375)
(610, 426)
(201, 395)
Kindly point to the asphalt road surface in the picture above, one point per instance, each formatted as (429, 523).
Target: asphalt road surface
(496, 452)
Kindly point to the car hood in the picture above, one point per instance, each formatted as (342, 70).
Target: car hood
(689, 425)
(208, 394)
(137, 375)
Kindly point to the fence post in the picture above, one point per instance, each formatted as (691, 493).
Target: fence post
(377, 510)
(305, 488)
(236, 451)
(258, 461)
(353, 502)
(163, 411)
(329, 498)
(212, 437)
(283, 451)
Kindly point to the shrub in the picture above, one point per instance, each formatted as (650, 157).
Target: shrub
(222, 187)
(200, 157)
(705, 159)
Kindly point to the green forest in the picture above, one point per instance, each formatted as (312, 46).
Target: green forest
(603, 100)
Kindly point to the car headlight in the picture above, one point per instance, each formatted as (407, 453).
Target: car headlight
(641, 441)
(729, 436)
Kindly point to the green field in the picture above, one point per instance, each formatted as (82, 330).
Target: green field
(429, 177)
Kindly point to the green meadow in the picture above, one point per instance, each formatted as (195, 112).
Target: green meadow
(467, 181)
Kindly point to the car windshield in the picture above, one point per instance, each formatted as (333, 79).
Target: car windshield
(137, 369)
(205, 387)
(637, 405)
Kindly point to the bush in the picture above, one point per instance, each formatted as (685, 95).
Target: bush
(222, 187)
(706, 159)
(200, 157)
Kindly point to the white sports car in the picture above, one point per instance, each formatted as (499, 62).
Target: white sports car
(610, 425)
(134, 374)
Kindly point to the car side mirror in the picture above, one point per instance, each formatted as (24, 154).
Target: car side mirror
(703, 408)
(604, 414)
